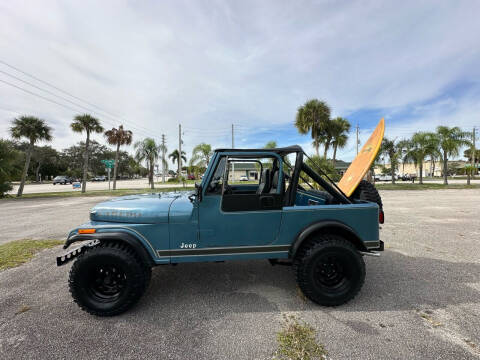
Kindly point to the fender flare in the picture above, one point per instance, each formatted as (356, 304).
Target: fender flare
(325, 226)
(124, 237)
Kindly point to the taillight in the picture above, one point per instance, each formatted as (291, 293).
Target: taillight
(381, 217)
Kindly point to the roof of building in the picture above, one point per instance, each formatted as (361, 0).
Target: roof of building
(341, 165)
(240, 166)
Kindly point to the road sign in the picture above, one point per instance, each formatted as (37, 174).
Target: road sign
(109, 164)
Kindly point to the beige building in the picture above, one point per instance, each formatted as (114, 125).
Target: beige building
(429, 169)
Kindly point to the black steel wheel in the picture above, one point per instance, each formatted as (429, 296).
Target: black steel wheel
(108, 279)
(107, 282)
(329, 270)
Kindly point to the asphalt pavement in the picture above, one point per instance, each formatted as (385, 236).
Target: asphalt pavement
(420, 299)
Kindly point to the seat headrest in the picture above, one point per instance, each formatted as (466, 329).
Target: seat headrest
(265, 176)
(275, 179)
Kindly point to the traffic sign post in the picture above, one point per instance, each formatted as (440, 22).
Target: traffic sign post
(109, 165)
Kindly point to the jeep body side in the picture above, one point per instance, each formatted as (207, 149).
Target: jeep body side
(274, 218)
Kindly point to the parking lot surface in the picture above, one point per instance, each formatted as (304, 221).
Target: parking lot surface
(421, 298)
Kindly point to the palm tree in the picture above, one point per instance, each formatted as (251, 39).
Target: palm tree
(34, 130)
(339, 129)
(174, 155)
(89, 124)
(403, 147)
(326, 138)
(433, 151)
(118, 137)
(201, 155)
(420, 146)
(272, 144)
(313, 116)
(450, 142)
(147, 150)
(393, 151)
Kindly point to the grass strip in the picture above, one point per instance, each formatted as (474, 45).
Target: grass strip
(427, 186)
(16, 253)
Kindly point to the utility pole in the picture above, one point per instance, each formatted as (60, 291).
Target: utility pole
(233, 142)
(163, 158)
(179, 151)
(473, 152)
(357, 137)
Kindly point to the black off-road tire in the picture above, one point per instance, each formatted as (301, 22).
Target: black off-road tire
(315, 256)
(368, 192)
(108, 279)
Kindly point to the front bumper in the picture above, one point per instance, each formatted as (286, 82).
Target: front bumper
(72, 254)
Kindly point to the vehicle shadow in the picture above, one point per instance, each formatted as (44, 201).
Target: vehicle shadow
(394, 282)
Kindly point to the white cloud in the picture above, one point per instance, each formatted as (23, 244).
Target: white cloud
(209, 64)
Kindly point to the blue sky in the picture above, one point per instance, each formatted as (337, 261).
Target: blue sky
(207, 64)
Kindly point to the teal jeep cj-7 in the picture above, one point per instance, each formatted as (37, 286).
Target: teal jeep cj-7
(287, 213)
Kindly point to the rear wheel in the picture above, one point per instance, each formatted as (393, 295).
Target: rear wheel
(108, 279)
(329, 270)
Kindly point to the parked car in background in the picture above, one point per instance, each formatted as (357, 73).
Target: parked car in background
(408, 177)
(383, 177)
(99, 178)
(62, 179)
(191, 177)
(243, 178)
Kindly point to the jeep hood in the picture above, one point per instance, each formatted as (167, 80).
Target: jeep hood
(139, 209)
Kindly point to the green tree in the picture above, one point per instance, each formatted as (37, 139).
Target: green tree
(147, 150)
(43, 158)
(313, 117)
(450, 141)
(174, 155)
(88, 124)
(201, 155)
(118, 137)
(9, 158)
(34, 130)
(272, 144)
(393, 151)
(403, 148)
(468, 154)
(433, 151)
(339, 129)
(319, 164)
(419, 147)
(476, 157)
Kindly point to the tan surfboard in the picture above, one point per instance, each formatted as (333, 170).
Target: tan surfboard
(360, 165)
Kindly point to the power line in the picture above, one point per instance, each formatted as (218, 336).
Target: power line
(40, 96)
(58, 103)
(111, 115)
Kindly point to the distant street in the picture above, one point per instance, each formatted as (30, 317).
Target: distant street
(121, 184)
(143, 184)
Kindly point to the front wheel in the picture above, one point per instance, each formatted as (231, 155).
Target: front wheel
(108, 279)
(329, 270)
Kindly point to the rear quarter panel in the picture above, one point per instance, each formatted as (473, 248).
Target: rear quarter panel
(361, 217)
